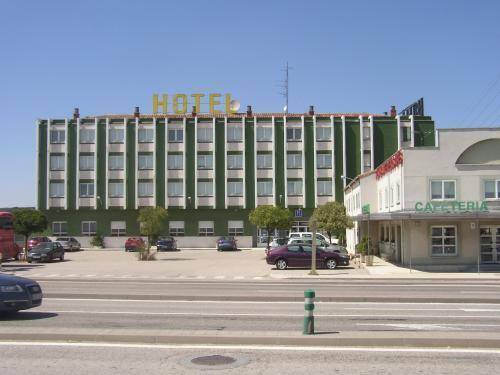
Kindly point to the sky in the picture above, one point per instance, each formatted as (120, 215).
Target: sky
(346, 56)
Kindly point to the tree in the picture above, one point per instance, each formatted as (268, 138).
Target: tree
(28, 221)
(332, 218)
(152, 221)
(271, 218)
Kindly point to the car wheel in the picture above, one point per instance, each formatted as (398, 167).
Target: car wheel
(331, 264)
(281, 264)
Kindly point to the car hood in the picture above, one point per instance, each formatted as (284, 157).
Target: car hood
(11, 280)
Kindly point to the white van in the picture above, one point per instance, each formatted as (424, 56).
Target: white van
(308, 235)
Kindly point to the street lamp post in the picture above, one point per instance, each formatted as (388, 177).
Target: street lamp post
(313, 255)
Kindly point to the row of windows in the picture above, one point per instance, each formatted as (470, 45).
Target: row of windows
(446, 189)
(175, 161)
(390, 196)
(176, 228)
(204, 134)
(204, 188)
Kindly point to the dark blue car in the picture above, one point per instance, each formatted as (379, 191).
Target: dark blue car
(18, 293)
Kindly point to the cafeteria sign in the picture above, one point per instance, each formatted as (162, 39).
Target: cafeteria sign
(452, 206)
(178, 103)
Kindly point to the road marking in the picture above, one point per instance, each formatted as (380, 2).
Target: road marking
(90, 275)
(478, 291)
(253, 347)
(219, 277)
(411, 326)
(403, 309)
(239, 277)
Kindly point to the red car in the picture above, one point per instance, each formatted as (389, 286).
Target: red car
(300, 255)
(134, 244)
(36, 240)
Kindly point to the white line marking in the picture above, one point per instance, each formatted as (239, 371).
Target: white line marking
(219, 277)
(253, 347)
(90, 275)
(416, 326)
(400, 309)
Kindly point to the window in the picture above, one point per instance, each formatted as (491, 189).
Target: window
(145, 188)
(442, 189)
(293, 134)
(323, 134)
(234, 133)
(205, 228)
(265, 188)
(59, 228)
(294, 187)
(175, 135)
(235, 227)
(205, 135)
(57, 162)
(116, 135)
(366, 132)
(235, 161)
(87, 136)
(235, 188)
(176, 228)
(386, 197)
(57, 136)
(118, 228)
(116, 162)
(175, 188)
(205, 189)
(294, 248)
(145, 161)
(86, 162)
(205, 161)
(174, 161)
(380, 200)
(86, 189)
(323, 161)
(56, 190)
(492, 189)
(89, 228)
(264, 134)
(264, 161)
(294, 161)
(324, 187)
(406, 133)
(145, 135)
(115, 189)
(398, 194)
(444, 240)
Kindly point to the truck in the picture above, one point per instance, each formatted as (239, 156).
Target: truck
(8, 247)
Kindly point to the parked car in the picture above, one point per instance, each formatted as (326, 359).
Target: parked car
(299, 255)
(18, 293)
(167, 243)
(134, 244)
(305, 235)
(46, 252)
(69, 243)
(226, 243)
(277, 242)
(324, 245)
(36, 240)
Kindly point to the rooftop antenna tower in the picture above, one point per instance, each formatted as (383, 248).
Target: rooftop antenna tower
(284, 86)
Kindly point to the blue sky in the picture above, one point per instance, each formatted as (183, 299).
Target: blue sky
(357, 56)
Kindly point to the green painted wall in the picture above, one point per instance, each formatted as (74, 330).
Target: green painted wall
(338, 160)
(101, 172)
(385, 139)
(249, 162)
(220, 158)
(424, 132)
(279, 160)
(190, 163)
(131, 168)
(42, 165)
(309, 141)
(160, 162)
(352, 143)
(72, 164)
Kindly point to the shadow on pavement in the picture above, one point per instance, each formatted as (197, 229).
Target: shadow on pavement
(326, 332)
(20, 267)
(26, 315)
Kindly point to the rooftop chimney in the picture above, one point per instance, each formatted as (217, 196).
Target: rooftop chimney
(249, 110)
(137, 113)
(76, 113)
(394, 113)
(193, 111)
(311, 110)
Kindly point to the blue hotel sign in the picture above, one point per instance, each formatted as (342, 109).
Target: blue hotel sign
(299, 212)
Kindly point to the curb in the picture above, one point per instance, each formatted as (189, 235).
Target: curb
(309, 340)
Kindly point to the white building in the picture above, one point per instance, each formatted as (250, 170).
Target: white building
(433, 207)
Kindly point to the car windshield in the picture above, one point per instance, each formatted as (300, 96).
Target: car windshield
(43, 247)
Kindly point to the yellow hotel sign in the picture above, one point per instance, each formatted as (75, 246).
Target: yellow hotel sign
(178, 103)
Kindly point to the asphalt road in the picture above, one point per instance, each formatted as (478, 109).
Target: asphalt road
(54, 359)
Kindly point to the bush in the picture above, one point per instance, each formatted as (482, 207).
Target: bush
(362, 246)
(97, 241)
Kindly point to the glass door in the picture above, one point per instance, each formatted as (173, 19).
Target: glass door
(490, 244)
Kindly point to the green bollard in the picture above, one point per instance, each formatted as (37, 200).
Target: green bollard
(308, 328)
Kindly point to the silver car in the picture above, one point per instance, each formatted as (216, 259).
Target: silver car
(69, 243)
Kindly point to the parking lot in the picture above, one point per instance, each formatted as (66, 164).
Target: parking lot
(198, 264)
